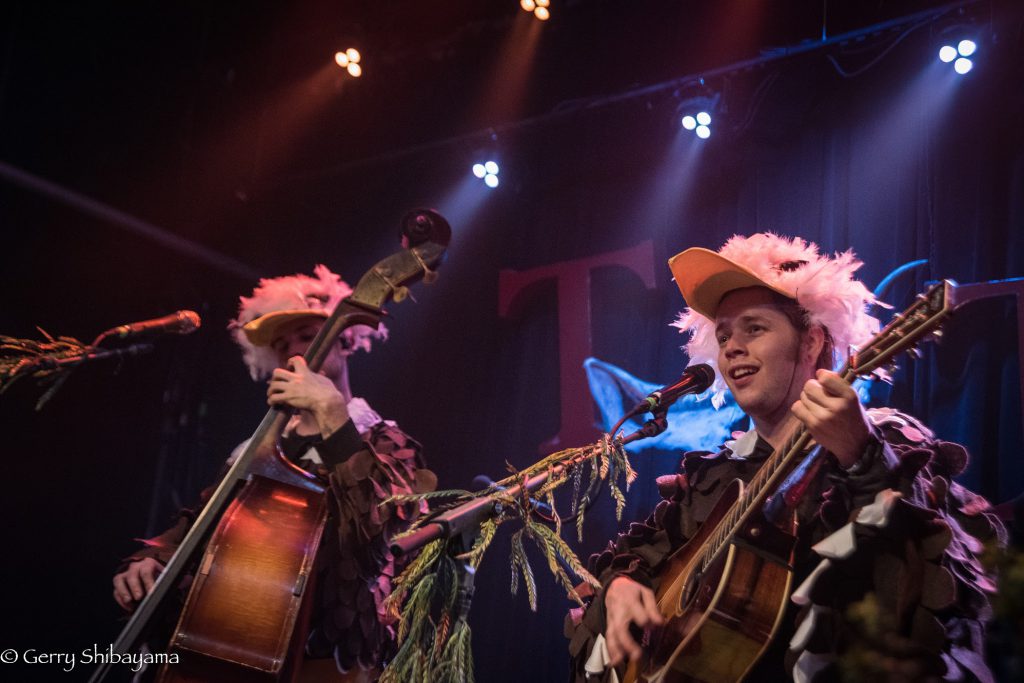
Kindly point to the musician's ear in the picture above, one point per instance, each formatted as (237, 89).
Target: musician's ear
(811, 343)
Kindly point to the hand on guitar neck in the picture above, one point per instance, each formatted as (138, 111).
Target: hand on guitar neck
(829, 408)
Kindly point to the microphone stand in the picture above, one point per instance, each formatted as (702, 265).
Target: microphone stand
(46, 365)
(454, 535)
(470, 515)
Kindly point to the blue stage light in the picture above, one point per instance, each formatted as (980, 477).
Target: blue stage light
(959, 55)
(488, 172)
(695, 113)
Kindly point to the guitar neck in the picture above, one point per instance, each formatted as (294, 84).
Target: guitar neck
(768, 478)
(905, 331)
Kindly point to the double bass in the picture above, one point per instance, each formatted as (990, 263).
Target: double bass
(259, 532)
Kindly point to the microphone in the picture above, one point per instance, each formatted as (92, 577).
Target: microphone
(181, 322)
(694, 380)
(482, 481)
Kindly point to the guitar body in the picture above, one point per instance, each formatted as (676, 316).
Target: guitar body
(721, 614)
(246, 615)
(719, 621)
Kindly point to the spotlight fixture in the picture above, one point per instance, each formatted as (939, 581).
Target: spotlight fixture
(488, 171)
(349, 60)
(539, 8)
(695, 112)
(699, 124)
(959, 55)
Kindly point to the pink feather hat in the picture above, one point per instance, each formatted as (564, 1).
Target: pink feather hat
(823, 286)
(280, 300)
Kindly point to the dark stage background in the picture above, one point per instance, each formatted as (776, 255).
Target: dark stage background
(228, 126)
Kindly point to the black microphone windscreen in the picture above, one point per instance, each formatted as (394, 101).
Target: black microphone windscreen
(703, 376)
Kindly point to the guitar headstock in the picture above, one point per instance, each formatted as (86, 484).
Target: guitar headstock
(907, 330)
(425, 237)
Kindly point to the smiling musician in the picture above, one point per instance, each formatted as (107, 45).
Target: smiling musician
(879, 525)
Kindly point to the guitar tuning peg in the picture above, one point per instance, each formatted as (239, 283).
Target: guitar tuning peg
(400, 295)
(915, 352)
(429, 276)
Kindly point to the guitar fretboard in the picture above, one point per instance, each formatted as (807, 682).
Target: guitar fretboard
(904, 331)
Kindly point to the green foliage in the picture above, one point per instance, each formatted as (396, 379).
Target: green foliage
(429, 597)
(521, 564)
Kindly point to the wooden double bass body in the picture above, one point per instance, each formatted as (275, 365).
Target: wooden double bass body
(245, 616)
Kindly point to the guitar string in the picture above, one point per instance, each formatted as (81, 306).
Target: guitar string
(893, 334)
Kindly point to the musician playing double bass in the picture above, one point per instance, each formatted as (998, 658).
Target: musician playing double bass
(339, 438)
(881, 525)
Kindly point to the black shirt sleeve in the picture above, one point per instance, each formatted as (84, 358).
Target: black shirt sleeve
(340, 446)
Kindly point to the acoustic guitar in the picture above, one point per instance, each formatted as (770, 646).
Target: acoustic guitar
(723, 594)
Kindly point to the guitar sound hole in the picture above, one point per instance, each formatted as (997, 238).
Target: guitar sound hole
(691, 589)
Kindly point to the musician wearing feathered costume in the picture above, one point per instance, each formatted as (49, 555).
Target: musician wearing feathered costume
(886, 576)
(340, 438)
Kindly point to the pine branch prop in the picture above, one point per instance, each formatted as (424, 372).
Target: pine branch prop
(20, 358)
(431, 597)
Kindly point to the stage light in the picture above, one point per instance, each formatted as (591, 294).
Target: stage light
(959, 55)
(539, 8)
(488, 171)
(695, 113)
(699, 123)
(349, 61)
